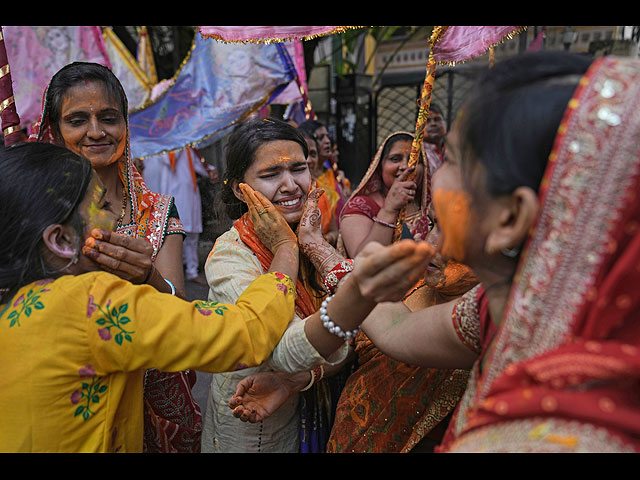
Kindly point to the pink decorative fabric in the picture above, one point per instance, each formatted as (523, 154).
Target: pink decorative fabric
(292, 92)
(460, 43)
(265, 33)
(36, 53)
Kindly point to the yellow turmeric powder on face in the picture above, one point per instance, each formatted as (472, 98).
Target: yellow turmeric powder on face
(452, 211)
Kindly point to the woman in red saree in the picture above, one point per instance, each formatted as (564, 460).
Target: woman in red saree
(548, 219)
(388, 187)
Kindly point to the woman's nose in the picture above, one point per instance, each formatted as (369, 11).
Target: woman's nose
(94, 129)
(288, 183)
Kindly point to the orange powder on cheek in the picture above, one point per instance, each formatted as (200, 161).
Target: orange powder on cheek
(452, 211)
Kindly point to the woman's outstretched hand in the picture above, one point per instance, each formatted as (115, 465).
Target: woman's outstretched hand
(386, 273)
(269, 224)
(127, 257)
(260, 394)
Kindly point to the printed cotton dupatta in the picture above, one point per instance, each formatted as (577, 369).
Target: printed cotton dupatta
(562, 372)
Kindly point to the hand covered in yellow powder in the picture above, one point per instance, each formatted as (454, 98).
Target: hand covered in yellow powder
(269, 224)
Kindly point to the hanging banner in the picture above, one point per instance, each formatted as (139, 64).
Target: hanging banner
(461, 43)
(134, 79)
(37, 53)
(450, 45)
(292, 92)
(217, 86)
(268, 34)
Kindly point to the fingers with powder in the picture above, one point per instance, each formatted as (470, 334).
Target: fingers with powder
(127, 257)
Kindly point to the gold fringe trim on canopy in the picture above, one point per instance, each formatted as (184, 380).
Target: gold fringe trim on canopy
(516, 31)
(289, 38)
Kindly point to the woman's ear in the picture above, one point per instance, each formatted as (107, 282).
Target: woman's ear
(61, 240)
(236, 191)
(514, 218)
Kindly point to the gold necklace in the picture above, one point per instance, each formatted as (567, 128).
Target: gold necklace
(124, 205)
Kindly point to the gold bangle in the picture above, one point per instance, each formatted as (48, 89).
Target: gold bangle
(317, 374)
(311, 382)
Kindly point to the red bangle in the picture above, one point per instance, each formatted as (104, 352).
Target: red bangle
(336, 274)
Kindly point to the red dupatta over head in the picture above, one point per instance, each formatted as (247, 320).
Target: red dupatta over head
(359, 203)
(562, 372)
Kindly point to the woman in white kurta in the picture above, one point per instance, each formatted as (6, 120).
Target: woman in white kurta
(270, 157)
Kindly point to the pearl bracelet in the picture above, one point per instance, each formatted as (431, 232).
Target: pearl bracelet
(332, 327)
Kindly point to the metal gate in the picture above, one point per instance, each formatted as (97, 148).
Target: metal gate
(396, 106)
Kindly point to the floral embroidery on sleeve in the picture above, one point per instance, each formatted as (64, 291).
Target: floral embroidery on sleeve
(284, 282)
(26, 304)
(111, 318)
(207, 308)
(89, 392)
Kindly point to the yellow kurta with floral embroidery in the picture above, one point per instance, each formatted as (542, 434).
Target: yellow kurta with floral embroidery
(74, 350)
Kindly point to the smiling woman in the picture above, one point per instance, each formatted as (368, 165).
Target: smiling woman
(267, 193)
(388, 187)
(280, 173)
(85, 110)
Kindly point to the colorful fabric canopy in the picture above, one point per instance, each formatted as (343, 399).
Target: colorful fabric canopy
(267, 34)
(461, 43)
(36, 53)
(136, 80)
(218, 85)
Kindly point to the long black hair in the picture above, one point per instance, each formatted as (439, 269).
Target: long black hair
(510, 122)
(42, 184)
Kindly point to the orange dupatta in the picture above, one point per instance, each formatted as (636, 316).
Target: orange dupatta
(305, 305)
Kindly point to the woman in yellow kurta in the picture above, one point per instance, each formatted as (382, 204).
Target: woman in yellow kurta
(75, 349)
(74, 345)
(75, 341)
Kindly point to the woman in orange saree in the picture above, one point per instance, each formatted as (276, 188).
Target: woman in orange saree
(392, 407)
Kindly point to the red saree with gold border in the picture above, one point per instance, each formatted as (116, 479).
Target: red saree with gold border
(561, 372)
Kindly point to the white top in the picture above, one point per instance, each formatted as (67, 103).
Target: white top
(230, 268)
(160, 178)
